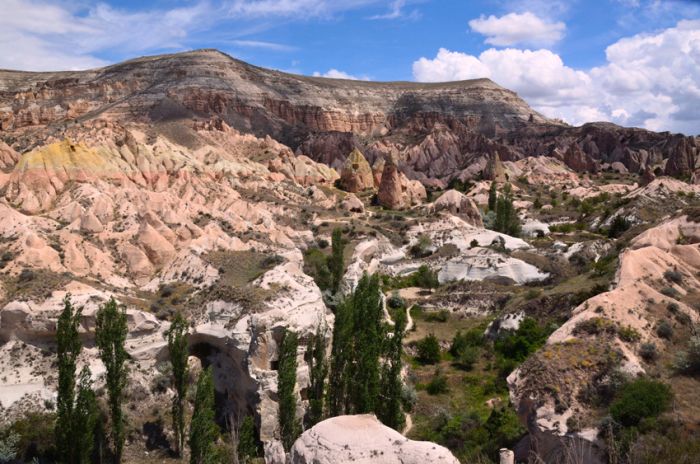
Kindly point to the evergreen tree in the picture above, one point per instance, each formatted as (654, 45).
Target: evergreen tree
(85, 418)
(110, 336)
(286, 383)
(336, 262)
(178, 348)
(318, 368)
(493, 196)
(340, 358)
(68, 349)
(203, 428)
(390, 409)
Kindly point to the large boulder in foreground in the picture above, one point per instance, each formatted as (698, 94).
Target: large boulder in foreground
(363, 439)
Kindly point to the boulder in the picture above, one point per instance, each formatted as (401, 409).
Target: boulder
(357, 174)
(363, 439)
(352, 203)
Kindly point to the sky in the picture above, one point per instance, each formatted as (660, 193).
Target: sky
(632, 62)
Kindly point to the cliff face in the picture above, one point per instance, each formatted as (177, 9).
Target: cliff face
(438, 130)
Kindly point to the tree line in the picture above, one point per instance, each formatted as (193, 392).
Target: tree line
(78, 429)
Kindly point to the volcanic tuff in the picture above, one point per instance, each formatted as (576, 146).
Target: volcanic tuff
(199, 184)
(439, 130)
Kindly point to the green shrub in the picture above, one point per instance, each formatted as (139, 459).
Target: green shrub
(628, 334)
(670, 292)
(640, 399)
(472, 338)
(474, 243)
(428, 350)
(688, 361)
(595, 326)
(618, 226)
(664, 330)
(648, 352)
(438, 316)
(467, 358)
(425, 277)
(438, 384)
(673, 276)
(526, 340)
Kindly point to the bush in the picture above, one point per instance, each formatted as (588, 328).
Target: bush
(425, 277)
(595, 326)
(428, 350)
(670, 292)
(467, 358)
(323, 243)
(473, 338)
(618, 226)
(438, 384)
(688, 361)
(641, 399)
(438, 316)
(628, 334)
(673, 276)
(526, 340)
(648, 352)
(474, 243)
(421, 248)
(664, 330)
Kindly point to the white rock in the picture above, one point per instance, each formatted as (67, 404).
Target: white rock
(363, 440)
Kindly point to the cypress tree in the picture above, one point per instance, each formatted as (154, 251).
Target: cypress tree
(390, 410)
(178, 348)
(493, 196)
(110, 336)
(85, 418)
(286, 382)
(336, 262)
(68, 348)
(203, 428)
(318, 367)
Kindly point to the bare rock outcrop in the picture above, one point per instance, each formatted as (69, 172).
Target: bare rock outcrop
(363, 440)
(396, 191)
(579, 161)
(494, 169)
(458, 204)
(356, 175)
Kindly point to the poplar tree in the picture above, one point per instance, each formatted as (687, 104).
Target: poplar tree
(68, 349)
(178, 348)
(390, 410)
(110, 336)
(368, 337)
(286, 382)
(203, 428)
(340, 358)
(493, 196)
(318, 368)
(336, 262)
(85, 418)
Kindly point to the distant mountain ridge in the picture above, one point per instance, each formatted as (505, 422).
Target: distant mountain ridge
(438, 130)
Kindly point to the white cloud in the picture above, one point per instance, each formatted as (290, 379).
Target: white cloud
(292, 8)
(396, 11)
(649, 80)
(37, 35)
(336, 74)
(518, 28)
(263, 45)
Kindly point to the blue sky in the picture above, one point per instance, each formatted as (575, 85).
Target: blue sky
(634, 62)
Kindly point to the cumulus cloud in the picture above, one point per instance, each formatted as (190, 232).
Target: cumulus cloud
(336, 74)
(518, 28)
(649, 80)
